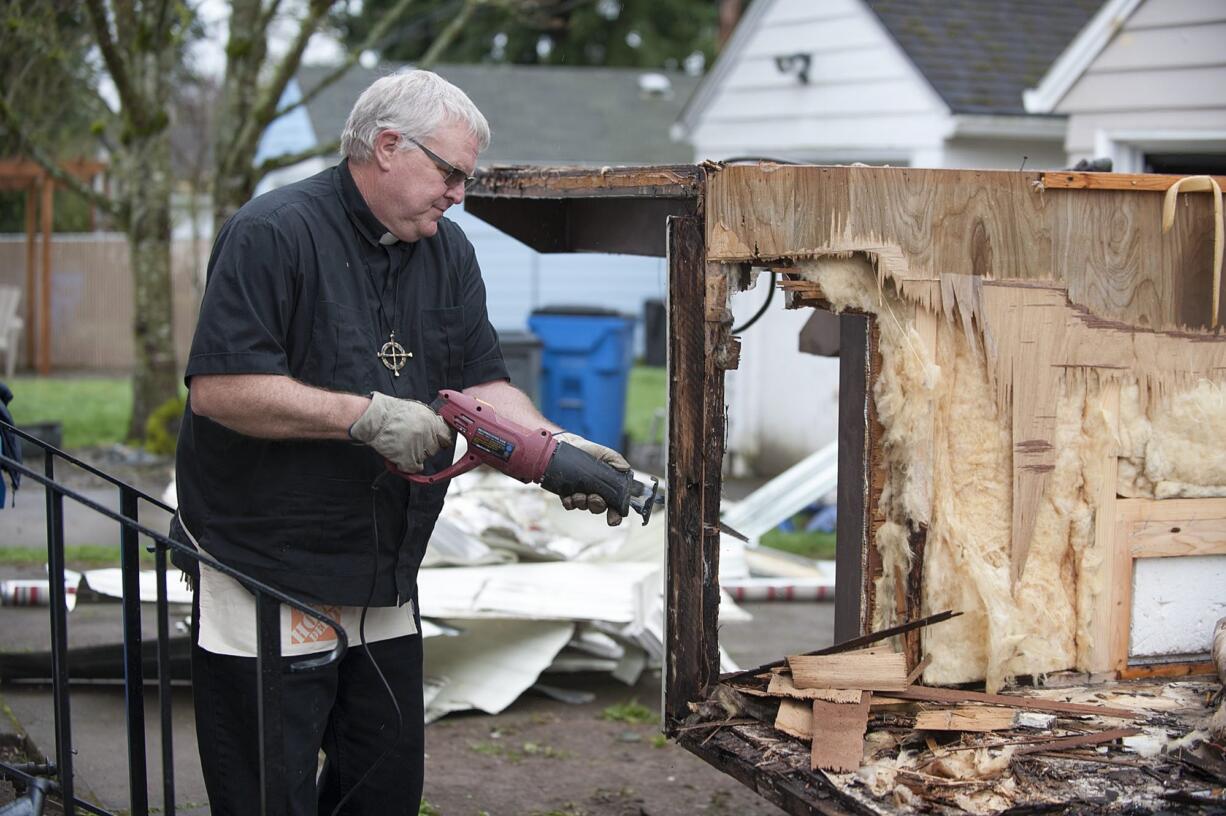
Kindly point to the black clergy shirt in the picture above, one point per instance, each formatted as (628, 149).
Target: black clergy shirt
(300, 284)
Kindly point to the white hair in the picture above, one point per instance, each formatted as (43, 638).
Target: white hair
(414, 104)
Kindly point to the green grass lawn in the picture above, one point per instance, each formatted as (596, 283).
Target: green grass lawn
(76, 556)
(94, 410)
(818, 546)
(91, 410)
(646, 392)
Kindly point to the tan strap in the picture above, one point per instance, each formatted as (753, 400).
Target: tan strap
(1200, 184)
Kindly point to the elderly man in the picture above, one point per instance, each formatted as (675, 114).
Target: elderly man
(335, 309)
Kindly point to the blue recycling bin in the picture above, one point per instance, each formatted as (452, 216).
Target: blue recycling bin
(585, 364)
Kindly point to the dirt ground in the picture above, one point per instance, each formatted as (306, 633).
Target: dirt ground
(544, 758)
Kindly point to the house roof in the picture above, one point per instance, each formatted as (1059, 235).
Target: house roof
(559, 115)
(981, 56)
(1078, 55)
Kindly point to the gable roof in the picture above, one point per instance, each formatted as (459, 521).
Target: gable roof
(559, 115)
(1043, 96)
(981, 56)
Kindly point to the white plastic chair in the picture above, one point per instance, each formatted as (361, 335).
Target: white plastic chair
(11, 325)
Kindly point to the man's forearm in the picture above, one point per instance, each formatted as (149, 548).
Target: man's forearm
(511, 403)
(274, 406)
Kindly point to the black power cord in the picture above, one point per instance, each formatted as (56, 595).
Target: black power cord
(374, 578)
(770, 294)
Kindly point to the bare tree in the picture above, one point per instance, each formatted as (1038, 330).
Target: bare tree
(255, 83)
(140, 47)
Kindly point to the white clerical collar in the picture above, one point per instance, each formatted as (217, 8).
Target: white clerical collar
(387, 239)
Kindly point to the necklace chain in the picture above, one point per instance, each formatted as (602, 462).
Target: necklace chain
(392, 354)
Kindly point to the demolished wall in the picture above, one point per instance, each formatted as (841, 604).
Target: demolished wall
(945, 398)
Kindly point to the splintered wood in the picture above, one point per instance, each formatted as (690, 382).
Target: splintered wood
(946, 749)
(840, 726)
(878, 672)
(959, 750)
(966, 718)
(781, 686)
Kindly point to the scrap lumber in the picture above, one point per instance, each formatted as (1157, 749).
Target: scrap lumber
(841, 726)
(853, 643)
(1079, 741)
(945, 695)
(1219, 650)
(919, 669)
(1075, 180)
(967, 718)
(795, 718)
(781, 686)
(878, 672)
(1217, 725)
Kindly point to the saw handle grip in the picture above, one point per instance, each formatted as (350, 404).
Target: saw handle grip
(465, 464)
(572, 471)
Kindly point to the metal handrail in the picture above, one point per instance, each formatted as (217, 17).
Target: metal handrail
(273, 799)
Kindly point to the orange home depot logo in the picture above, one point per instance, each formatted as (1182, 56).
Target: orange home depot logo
(305, 629)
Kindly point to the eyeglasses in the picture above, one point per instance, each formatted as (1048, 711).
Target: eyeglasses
(453, 176)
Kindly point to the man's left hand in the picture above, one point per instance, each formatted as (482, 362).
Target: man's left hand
(591, 501)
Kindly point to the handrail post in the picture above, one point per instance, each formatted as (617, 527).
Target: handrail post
(133, 668)
(59, 638)
(273, 788)
(164, 698)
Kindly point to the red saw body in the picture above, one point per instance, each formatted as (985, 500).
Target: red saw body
(533, 455)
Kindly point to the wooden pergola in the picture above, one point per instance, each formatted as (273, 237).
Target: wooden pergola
(39, 185)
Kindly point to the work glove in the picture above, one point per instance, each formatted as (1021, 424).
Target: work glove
(406, 432)
(592, 501)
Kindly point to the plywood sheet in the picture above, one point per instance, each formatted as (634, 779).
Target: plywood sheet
(1104, 245)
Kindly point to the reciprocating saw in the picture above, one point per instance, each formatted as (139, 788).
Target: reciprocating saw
(534, 455)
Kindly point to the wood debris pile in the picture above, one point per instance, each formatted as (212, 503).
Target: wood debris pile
(852, 732)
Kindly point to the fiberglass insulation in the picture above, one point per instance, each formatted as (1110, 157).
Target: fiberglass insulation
(947, 442)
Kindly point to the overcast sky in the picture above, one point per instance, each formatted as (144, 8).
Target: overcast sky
(209, 54)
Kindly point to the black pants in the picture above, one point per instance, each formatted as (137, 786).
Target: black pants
(342, 708)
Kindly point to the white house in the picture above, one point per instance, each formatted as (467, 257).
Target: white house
(922, 83)
(1144, 84)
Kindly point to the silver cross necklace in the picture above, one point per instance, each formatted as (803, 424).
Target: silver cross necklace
(392, 354)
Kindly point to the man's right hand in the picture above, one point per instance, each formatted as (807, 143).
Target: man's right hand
(404, 431)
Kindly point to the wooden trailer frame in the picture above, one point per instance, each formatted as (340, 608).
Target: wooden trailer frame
(667, 211)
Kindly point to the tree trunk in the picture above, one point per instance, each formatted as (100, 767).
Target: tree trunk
(234, 179)
(156, 375)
